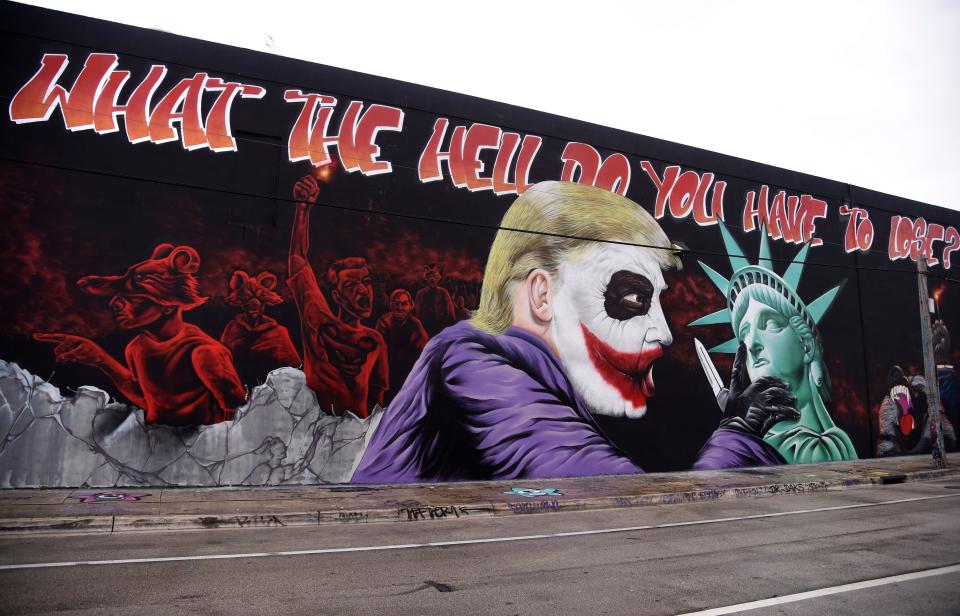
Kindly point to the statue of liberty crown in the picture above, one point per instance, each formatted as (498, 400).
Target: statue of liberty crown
(746, 274)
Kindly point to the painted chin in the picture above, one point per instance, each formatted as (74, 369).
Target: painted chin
(629, 374)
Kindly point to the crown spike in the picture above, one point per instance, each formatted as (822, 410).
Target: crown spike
(795, 271)
(714, 318)
(736, 256)
(718, 280)
(730, 346)
(764, 260)
(819, 306)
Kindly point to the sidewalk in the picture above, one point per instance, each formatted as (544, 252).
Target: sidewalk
(130, 509)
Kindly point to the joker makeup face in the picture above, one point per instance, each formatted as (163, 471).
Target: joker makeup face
(609, 326)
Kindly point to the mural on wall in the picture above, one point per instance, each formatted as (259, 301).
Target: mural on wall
(412, 297)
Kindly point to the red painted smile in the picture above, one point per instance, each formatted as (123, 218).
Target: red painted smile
(629, 373)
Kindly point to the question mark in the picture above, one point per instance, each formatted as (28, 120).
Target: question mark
(953, 239)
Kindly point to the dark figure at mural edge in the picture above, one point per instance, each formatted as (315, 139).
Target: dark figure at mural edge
(258, 343)
(947, 380)
(565, 328)
(904, 420)
(344, 360)
(405, 338)
(434, 306)
(174, 371)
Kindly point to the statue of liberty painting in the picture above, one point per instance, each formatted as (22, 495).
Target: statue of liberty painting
(776, 335)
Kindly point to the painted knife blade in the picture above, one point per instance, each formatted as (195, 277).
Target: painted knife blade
(713, 377)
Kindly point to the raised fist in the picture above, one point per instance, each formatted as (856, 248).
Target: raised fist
(74, 349)
(306, 190)
(754, 408)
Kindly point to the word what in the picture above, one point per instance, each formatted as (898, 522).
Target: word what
(91, 103)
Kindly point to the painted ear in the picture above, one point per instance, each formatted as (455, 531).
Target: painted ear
(238, 279)
(267, 280)
(538, 287)
(162, 251)
(184, 260)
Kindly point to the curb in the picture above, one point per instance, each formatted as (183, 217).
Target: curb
(132, 523)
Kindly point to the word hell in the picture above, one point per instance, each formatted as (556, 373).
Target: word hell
(915, 238)
(355, 141)
(790, 218)
(612, 173)
(686, 193)
(92, 103)
(463, 158)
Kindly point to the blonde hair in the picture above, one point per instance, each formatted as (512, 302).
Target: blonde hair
(550, 223)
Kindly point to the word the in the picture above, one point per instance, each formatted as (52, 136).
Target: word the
(463, 158)
(356, 139)
(91, 103)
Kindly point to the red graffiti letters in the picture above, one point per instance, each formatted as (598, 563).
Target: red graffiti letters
(686, 193)
(91, 103)
(612, 173)
(859, 233)
(463, 157)
(916, 238)
(789, 217)
(355, 141)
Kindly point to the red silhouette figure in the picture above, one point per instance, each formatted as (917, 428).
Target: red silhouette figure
(174, 371)
(404, 335)
(259, 344)
(434, 305)
(344, 360)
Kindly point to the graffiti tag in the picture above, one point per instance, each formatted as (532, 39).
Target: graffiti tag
(532, 492)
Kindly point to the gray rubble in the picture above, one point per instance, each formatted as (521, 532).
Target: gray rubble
(280, 436)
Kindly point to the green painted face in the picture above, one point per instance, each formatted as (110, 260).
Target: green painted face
(773, 347)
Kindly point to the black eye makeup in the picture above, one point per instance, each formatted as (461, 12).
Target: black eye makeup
(627, 295)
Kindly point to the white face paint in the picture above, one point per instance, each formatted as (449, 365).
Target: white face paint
(609, 326)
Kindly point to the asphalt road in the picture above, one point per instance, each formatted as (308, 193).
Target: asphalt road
(669, 559)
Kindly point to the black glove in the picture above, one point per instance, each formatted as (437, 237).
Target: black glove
(754, 408)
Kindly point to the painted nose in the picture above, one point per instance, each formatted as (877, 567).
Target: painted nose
(753, 343)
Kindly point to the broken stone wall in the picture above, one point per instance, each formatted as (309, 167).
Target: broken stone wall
(280, 436)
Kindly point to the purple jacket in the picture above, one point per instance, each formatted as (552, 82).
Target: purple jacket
(479, 406)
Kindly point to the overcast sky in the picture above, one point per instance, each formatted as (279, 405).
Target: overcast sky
(861, 92)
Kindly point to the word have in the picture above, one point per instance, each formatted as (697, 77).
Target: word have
(91, 103)
(463, 152)
(789, 217)
(916, 238)
(355, 140)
